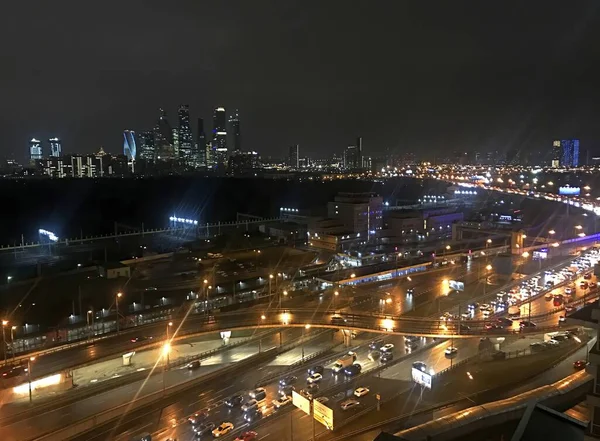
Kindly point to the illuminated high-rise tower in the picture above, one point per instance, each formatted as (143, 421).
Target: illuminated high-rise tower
(184, 134)
(35, 150)
(129, 145)
(234, 127)
(55, 147)
(163, 138)
(146, 141)
(218, 152)
(201, 147)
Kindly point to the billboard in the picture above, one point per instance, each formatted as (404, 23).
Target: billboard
(455, 285)
(569, 191)
(323, 414)
(422, 378)
(301, 402)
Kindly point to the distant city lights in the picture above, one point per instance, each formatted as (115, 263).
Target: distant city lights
(181, 220)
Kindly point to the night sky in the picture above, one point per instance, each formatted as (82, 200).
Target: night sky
(414, 76)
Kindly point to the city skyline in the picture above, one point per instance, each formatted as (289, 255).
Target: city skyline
(454, 82)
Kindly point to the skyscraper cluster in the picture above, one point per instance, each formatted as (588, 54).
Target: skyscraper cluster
(167, 143)
(565, 153)
(36, 149)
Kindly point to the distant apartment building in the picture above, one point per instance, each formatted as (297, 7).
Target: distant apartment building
(565, 153)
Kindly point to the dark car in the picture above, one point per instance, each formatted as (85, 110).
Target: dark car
(252, 415)
(286, 381)
(464, 327)
(234, 401)
(504, 322)
(580, 364)
(527, 324)
(353, 370)
(338, 320)
(204, 429)
(13, 372)
(386, 356)
(410, 291)
(587, 276)
(286, 390)
(197, 418)
(194, 364)
(420, 366)
(316, 370)
(140, 338)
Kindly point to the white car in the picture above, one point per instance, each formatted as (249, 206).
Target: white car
(249, 405)
(223, 429)
(450, 350)
(282, 401)
(314, 378)
(349, 403)
(387, 348)
(361, 391)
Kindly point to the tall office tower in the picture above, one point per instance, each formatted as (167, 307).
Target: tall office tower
(35, 150)
(351, 158)
(234, 126)
(556, 154)
(175, 142)
(163, 142)
(185, 134)
(146, 141)
(201, 154)
(129, 146)
(359, 152)
(569, 152)
(55, 147)
(219, 138)
(294, 156)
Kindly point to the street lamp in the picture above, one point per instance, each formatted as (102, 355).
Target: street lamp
(167, 345)
(525, 254)
(89, 313)
(119, 295)
(270, 278)
(4, 323)
(335, 294)
(165, 353)
(306, 327)
(488, 242)
(8, 279)
(552, 232)
(29, 376)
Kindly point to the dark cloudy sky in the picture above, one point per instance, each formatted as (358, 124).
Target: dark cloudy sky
(412, 76)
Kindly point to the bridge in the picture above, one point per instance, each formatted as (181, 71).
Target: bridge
(365, 322)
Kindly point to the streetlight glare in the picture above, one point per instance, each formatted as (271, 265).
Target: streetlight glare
(119, 294)
(551, 232)
(262, 317)
(166, 349)
(489, 267)
(4, 322)
(525, 254)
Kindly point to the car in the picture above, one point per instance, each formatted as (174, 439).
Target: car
(550, 343)
(352, 370)
(234, 401)
(316, 370)
(252, 415)
(140, 338)
(464, 327)
(361, 391)
(247, 436)
(583, 285)
(290, 379)
(337, 320)
(249, 405)
(451, 350)
(569, 290)
(473, 306)
(548, 296)
(420, 365)
(349, 404)
(306, 393)
(410, 291)
(194, 364)
(387, 348)
(587, 276)
(198, 417)
(204, 428)
(505, 322)
(536, 346)
(260, 393)
(14, 372)
(314, 378)
(593, 285)
(322, 400)
(580, 364)
(387, 356)
(150, 288)
(223, 429)
(282, 401)
(527, 324)
(487, 313)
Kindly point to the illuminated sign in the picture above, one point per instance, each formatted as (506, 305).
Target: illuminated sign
(323, 414)
(422, 378)
(301, 402)
(455, 285)
(569, 191)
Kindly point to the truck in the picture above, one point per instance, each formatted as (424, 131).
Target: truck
(344, 361)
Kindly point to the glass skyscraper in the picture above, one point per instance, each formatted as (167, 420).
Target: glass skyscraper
(185, 138)
(570, 153)
(146, 141)
(35, 150)
(129, 145)
(234, 126)
(163, 138)
(218, 152)
(201, 147)
(55, 147)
